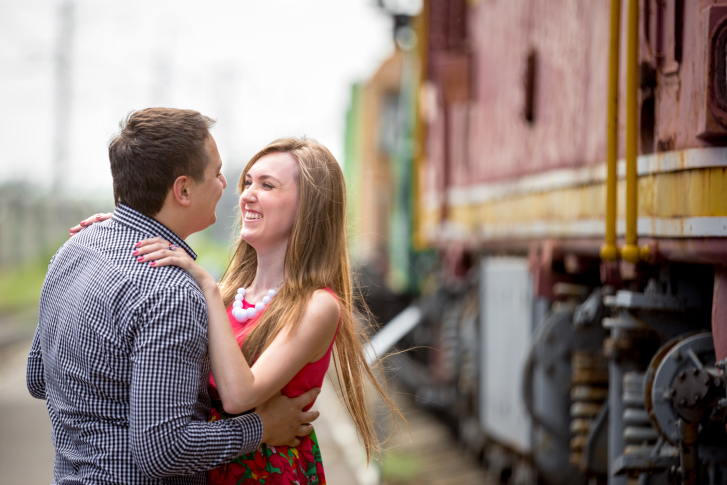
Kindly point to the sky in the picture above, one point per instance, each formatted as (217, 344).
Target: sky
(262, 69)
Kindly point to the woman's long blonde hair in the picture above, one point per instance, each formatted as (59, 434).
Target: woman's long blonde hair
(317, 256)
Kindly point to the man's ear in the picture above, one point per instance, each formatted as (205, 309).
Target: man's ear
(181, 190)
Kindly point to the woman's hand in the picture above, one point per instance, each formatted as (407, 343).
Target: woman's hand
(160, 252)
(87, 222)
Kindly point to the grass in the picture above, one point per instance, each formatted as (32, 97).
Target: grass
(212, 254)
(20, 286)
(400, 467)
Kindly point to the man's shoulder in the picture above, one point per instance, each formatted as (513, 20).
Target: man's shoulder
(108, 247)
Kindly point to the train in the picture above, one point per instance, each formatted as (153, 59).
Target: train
(546, 184)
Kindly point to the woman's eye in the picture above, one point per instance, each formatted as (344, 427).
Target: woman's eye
(247, 183)
(267, 186)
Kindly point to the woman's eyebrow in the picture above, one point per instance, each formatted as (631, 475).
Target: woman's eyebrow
(263, 177)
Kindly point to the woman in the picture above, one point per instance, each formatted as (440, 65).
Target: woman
(285, 298)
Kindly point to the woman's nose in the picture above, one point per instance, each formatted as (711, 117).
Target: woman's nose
(247, 195)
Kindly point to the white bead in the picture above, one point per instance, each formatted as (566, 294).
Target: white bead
(271, 293)
(259, 306)
(266, 300)
(239, 297)
(241, 291)
(240, 315)
(251, 312)
(237, 304)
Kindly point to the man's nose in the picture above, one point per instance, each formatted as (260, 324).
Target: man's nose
(224, 182)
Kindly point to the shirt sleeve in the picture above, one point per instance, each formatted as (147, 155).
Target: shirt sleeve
(168, 357)
(34, 376)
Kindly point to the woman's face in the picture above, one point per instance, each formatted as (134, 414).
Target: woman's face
(269, 201)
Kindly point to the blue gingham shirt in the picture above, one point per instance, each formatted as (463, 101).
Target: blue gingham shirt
(120, 357)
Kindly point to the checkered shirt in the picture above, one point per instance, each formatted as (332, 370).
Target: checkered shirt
(120, 357)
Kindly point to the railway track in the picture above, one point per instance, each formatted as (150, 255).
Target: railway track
(430, 455)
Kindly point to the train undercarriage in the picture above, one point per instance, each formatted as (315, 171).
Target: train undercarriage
(575, 371)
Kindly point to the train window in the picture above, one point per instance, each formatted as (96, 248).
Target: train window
(678, 30)
(530, 80)
(718, 72)
(647, 120)
(647, 83)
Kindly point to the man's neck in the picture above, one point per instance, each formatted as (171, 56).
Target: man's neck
(174, 221)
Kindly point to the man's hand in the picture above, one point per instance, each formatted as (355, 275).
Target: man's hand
(284, 420)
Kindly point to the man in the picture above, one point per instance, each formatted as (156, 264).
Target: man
(120, 353)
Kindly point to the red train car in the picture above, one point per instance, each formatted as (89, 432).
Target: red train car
(567, 162)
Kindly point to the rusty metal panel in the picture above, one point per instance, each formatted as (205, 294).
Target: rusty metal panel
(478, 131)
(570, 40)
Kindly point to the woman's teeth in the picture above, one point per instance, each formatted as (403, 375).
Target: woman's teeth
(252, 215)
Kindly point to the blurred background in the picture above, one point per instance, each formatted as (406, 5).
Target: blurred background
(73, 69)
(537, 210)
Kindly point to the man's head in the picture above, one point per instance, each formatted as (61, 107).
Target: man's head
(153, 148)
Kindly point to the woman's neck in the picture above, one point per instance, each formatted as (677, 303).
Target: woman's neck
(270, 272)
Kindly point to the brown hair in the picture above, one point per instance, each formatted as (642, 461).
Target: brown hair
(154, 146)
(316, 257)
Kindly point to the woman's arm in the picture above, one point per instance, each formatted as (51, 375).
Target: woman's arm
(240, 387)
(281, 361)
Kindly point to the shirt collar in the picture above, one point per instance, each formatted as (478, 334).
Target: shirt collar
(153, 228)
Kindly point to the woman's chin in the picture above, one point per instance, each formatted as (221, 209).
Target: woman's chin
(248, 237)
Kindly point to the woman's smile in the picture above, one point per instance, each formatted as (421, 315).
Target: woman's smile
(253, 216)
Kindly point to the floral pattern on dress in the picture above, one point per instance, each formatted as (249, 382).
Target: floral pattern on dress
(272, 465)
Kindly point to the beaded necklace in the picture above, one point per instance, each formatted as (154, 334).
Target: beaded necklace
(241, 314)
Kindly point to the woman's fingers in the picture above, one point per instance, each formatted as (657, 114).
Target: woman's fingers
(150, 241)
(150, 248)
(157, 249)
(89, 221)
(164, 257)
(168, 261)
(159, 254)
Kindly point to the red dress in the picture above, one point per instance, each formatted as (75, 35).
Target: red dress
(275, 464)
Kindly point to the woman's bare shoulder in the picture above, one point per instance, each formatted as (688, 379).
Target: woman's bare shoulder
(324, 306)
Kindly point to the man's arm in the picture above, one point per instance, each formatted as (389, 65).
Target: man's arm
(170, 349)
(34, 376)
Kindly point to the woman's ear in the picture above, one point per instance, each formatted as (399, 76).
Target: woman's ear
(181, 190)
